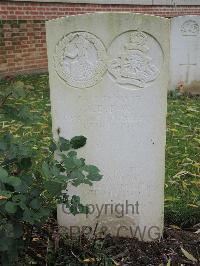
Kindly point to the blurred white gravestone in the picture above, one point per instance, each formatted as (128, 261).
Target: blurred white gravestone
(108, 81)
(185, 50)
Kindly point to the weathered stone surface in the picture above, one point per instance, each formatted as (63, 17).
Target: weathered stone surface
(185, 50)
(108, 81)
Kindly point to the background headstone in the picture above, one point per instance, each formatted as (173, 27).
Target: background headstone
(108, 80)
(185, 50)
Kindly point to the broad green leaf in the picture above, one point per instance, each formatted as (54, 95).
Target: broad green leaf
(70, 163)
(11, 207)
(73, 210)
(3, 175)
(4, 245)
(78, 142)
(55, 171)
(72, 154)
(62, 178)
(77, 182)
(22, 188)
(3, 146)
(35, 204)
(75, 199)
(78, 162)
(45, 169)
(8, 137)
(27, 216)
(18, 89)
(64, 144)
(22, 205)
(24, 113)
(28, 178)
(53, 187)
(35, 192)
(18, 84)
(44, 212)
(76, 174)
(18, 230)
(26, 163)
(91, 169)
(94, 177)
(52, 147)
(14, 181)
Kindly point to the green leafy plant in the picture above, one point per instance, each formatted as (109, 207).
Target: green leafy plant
(68, 169)
(26, 196)
(30, 190)
(16, 90)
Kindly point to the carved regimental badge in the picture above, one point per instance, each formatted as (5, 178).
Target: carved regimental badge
(80, 59)
(190, 28)
(135, 58)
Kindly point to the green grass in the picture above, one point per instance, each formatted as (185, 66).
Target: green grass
(182, 196)
(37, 131)
(182, 188)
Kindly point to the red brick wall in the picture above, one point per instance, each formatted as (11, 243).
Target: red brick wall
(22, 29)
(22, 46)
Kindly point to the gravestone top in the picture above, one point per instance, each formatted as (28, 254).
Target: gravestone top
(185, 43)
(140, 47)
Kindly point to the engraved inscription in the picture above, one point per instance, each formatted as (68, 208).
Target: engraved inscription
(190, 28)
(80, 59)
(135, 58)
(122, 107)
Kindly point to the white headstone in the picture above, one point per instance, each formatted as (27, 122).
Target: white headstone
(108, 81)
(185, 50)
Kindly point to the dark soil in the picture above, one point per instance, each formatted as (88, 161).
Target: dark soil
(50, 246)
(156, 253)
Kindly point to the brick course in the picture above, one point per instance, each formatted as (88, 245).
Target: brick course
(22, 29)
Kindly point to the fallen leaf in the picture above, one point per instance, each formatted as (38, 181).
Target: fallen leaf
(175, 227)
(193, 205)
(198, 231)
(3, 197)
(35, 239)
(188, 255)
(169, 262)
(89, 260)
(117, 263)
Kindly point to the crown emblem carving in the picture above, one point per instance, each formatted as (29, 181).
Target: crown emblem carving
(134, 66)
